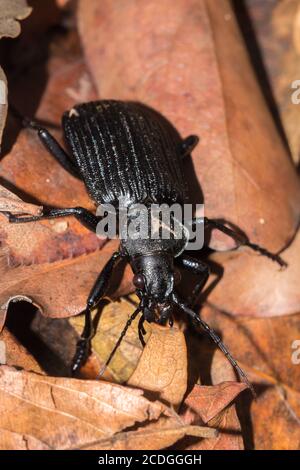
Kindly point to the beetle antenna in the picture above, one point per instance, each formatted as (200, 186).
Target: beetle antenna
(128, 323)
(218, 342)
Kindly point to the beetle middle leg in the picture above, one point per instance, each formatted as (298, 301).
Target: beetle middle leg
(240, 238)
(196, 267)
(85, 217)
(97, 293)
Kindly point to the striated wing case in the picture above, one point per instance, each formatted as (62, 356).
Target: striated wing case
(125, 153)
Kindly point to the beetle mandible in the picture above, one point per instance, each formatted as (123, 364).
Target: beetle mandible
(125, 156)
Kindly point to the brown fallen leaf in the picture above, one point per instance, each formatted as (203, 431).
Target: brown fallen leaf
(263, 344)
(3, 102)
(263, 288)
(46, 409)
(10, 11)
(59, 289)
(263, 347)
(162, 367)
(155, 436)
(277, 29)
(54, 404)
(112, 320)
(275, 416)
(15, 354)
(9, 202)
(214, 406)
(208, 401)
(13, 440)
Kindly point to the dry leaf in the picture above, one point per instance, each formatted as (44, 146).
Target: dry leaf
(3, 102)
(11, 203)
(112, 320)
(277, 28)
(263, 288)
(162, 367)
(15, 354)
(209, 401)
(43, 412)
(47, 408)
(263, 347)
(275, 417)
(59, 289)
(10, 11)
(213, 405)
(155, 436)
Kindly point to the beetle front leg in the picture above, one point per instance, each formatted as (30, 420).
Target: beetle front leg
(198, 268)
(85, 217)
(97, 293)
(241, 239)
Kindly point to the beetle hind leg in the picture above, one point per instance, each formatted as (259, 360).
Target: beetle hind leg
(188, 144)
(85, 217)
(49, 142)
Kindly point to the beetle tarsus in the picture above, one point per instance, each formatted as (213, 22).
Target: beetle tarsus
(243, 241)
(217, 340)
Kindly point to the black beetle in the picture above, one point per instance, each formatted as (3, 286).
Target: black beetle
(126, 156)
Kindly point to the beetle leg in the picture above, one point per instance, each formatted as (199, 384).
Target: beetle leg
(97, 293)
(141, 330)
(85, 217)
(188, 144)
(197, 267)
(217, 340)
(241, 239)
(50, 143)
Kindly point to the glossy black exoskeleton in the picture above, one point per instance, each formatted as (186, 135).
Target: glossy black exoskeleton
(126, 156)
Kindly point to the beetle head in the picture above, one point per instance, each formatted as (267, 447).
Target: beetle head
(154, 279)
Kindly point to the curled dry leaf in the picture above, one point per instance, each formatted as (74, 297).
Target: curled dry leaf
(208, 401)
(15, 354)
(11, 203)
(213, 406)
(45, 410)
(45, 284)
(10, 12)
(160, 368)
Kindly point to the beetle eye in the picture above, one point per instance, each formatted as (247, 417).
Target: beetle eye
(139, 281)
